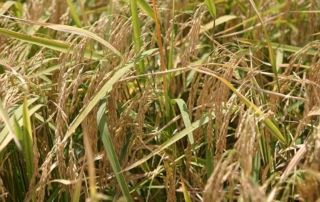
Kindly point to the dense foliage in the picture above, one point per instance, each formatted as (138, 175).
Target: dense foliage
(140, 100)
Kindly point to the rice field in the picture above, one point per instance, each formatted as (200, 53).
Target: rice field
(153, 100)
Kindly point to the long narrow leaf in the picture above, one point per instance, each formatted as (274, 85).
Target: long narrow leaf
(145, 6)
(4, 8)
(267, 121)
(185, 190)
(108, 145)
(270, 49)
(217, 22)
(18, 116)
(172, 140)
(136, 33)
(48, 43)
(211, 7)
(27, 139)
(72, 30)
(74, 14)
(185, 117)
(288, 48)
(4, 140)
(103, 91)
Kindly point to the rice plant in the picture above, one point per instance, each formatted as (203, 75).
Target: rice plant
(150, 100)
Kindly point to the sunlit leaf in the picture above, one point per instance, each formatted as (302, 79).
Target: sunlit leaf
(48, 43)
(27, 140)
(185, 117)
(70, 29)
(74, 14)
(5, 139)
(211, 7)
